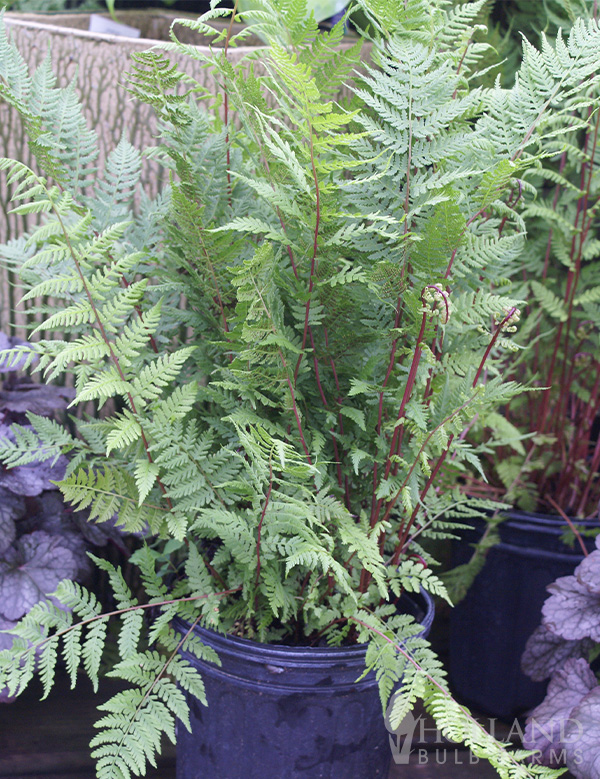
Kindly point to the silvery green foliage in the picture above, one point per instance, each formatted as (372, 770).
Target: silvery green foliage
(287, 346)
(6, 641)
(35, 553)
(40, 545)
(10, 342)
(33, 477)
(520, 18)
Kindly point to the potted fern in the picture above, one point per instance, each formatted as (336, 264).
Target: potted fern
(276, 362)
(544, 452)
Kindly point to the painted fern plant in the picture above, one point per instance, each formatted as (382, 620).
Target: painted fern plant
(546, 457)
(277, 360)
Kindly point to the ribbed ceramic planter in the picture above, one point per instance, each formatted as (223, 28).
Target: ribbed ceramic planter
(285, 712)
(99, 61)
(490, 627)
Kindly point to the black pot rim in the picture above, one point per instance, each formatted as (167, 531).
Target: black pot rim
(546, 520)
(535, 536)
(279, 668)
(271, 653)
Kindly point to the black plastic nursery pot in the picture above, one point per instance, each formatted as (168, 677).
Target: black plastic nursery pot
(490, 627)
(285, 712)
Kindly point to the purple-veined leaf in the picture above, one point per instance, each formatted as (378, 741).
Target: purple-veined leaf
(32, 568)
(42, 399)
(588, 572)
(34, 478)
(545, 653)
(50, 514)
(8, 532)
(582, 737)
(12, 507)
(6, 640)
(56, 517)
(572, 611)
(546, 727)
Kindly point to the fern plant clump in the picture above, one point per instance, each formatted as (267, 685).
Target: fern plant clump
(546, 456)
(285, 350)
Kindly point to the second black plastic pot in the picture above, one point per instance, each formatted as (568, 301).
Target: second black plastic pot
(490, 627)
(285, 712)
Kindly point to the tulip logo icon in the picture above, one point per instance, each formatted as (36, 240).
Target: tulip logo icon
(401, 738)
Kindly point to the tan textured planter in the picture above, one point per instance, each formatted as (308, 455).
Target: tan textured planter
(99, 62)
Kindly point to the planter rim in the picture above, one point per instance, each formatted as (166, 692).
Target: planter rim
(32, 21)
(548, 520)
(538, 536)
(517, 515)
(290, 651)
(291, 669)
(530, 553)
